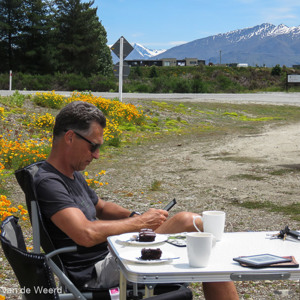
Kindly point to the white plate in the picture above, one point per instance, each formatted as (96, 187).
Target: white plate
(128, 238)
(134, 256)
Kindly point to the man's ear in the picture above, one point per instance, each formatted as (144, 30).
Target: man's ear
(69, 136)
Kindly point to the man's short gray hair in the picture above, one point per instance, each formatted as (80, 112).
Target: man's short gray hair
(78, 115)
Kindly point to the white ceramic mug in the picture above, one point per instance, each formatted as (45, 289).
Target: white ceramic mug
(213, 222)
(199, 245)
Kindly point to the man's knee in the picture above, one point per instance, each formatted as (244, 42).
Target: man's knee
(185, 221)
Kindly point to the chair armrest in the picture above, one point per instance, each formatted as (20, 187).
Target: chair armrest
(61, 250)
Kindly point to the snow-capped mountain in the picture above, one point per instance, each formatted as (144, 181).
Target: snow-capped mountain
(143, 52)
(139, 52)
(262, 31)
(264, 44)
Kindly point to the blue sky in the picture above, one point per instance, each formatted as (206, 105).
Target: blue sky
(163, 24)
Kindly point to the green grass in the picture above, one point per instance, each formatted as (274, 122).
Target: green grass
(238, 159)
(247, 177)
(292, 210)
(281, 172)
(155, 185)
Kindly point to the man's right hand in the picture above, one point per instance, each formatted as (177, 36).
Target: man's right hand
(153, 218)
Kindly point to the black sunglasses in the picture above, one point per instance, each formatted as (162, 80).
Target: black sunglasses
(94, 147)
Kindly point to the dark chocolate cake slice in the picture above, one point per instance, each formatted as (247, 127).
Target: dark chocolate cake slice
(150, 254)
(146, 235)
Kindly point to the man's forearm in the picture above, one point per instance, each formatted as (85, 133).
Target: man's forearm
(113, 211)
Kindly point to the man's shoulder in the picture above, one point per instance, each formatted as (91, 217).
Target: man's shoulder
(46, 171)
(49, 173)
(45, 168)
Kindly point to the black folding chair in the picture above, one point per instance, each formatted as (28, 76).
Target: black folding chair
(42, 239)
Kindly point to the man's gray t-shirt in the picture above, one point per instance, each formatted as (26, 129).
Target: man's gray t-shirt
(56, 192)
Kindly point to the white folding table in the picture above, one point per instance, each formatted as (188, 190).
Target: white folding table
(221, 265)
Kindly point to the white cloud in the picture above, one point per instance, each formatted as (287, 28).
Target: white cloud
(161, 45)
(137, 34)
(177, 43)
(280, 14)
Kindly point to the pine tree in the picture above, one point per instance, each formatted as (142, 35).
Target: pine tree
(11, 23)
(81, 39)
(35, 38)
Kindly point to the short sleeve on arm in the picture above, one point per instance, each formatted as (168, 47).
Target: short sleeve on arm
(53, 196)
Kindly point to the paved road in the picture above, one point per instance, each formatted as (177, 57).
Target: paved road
(260, 98)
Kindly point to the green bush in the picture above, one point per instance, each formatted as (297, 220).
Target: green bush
(103, 84)
(157, 85)
(78, 82)
(153, 72)
(4, 81)
(143, 88)
(17, 99)
(199, 86)
(182, 86)
(276, 71)
(135, 72)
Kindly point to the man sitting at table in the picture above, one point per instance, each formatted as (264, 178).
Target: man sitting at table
(74, 215)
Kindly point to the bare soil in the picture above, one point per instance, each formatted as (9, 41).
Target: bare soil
(215, 172)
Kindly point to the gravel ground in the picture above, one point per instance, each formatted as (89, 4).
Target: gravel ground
(202, 173)
(207, 172)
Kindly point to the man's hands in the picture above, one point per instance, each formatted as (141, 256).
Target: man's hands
(153, 218)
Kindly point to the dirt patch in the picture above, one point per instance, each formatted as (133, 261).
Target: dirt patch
(209, 172)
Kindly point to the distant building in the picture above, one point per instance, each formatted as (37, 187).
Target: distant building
(144, 63)
(232, 65)
(190, 62)
(169, 62)
(165, 62)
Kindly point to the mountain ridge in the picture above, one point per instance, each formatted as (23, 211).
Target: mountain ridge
(262, 45)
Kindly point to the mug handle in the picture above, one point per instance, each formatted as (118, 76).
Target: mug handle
(194, 222)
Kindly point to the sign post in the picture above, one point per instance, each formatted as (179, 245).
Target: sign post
(122, 49)
(121, 69)
(10, 80)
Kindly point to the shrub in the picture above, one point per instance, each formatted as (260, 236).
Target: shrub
(50, 100)
(103, 84)
(182, 86)
(199, 86)
(17, 99)
(276, 71)
(77, 82)
(135, 73)
(153, 72)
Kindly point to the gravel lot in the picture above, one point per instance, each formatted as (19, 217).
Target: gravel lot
(202, 173)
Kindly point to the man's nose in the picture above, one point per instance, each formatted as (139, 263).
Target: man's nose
(96, 154)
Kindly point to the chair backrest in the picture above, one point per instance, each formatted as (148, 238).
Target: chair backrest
(34, 275)
(25, 177)
(41, 237)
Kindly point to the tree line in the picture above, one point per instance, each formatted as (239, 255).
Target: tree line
(48, 36)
